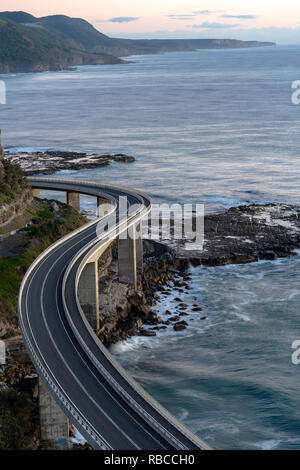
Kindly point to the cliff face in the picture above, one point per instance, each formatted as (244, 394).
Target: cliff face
(15, 208)
(15, 193)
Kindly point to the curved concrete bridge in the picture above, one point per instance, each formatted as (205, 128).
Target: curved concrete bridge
(103, 402)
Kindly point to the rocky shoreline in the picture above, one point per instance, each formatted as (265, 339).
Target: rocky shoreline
(50, 162)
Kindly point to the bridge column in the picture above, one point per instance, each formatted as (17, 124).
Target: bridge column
(36, 192)
(88, 294)
(139, 252)
(73, 199)
(103, 206)
(54, 423)
(130, 256)
(2, 353)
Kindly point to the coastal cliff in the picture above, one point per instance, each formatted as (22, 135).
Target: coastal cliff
(15, 194)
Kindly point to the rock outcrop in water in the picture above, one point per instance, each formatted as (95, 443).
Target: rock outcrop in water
(49, 162)
(247, 234)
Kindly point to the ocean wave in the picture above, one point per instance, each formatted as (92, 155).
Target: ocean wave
(27, 149)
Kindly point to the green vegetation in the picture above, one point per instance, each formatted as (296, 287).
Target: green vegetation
(78, 30)
(16, 420)
(34, 47)
(12, 182)
(47, 226)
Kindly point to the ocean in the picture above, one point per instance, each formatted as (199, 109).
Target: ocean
(216, 127)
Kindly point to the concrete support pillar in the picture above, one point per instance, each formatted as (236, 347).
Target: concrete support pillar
(2, 353)
(88, 294)
(36, 192)
(73, 199)
(103, 206)
(130, 255)
(54, 423)
(139, 251)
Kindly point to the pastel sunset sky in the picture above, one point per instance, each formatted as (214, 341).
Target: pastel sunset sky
(256, 19)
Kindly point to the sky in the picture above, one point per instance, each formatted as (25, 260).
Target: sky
(249, 20)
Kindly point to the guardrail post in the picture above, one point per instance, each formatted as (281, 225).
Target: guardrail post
(88, 294)
(73, 199)
(103, 206)
(54, 423)
(36, 192)
(130, 256)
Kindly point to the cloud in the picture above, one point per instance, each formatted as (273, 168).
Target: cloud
(190, 16)
(207, 25)
(122, 19)
(241, 17)
(202, 12)
(181, 17)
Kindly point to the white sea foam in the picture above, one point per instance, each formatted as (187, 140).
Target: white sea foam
(78, 438)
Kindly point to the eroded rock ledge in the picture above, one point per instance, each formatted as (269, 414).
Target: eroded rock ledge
(49, 162)
(245, 234)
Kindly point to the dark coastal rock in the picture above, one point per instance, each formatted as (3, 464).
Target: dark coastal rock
(144, 332)
(179, 326)
(244, 234)
(51, 161)
(159, 328)
(175, 318)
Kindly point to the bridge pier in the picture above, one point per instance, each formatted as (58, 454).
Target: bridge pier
(2, 353)
(103, 206)
(54, 423)
(130, 256)
(36, 192)
(88, 293)
(73, 199)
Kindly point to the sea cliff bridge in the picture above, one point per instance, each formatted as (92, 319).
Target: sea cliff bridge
(58, 313)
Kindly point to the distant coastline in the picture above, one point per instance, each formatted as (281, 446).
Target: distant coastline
(58, 42)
